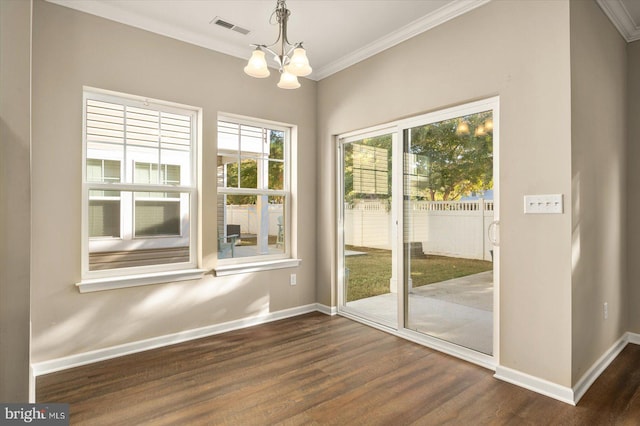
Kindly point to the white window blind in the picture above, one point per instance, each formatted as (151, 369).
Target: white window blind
(139, 188)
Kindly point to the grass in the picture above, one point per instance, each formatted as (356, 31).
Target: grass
(252, 241)
(369, 274)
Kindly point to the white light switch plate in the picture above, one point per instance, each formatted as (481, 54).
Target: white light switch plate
(543, 204)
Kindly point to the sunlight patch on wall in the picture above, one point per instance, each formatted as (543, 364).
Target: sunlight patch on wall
(260, 306)
(575, 225)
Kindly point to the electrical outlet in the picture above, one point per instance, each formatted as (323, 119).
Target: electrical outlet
(606, 310)
(292, 280)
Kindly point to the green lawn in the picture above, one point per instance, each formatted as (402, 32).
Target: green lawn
(369, 274)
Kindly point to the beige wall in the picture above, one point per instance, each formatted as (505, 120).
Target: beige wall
(598, 143)
(72, 49)
(519, 51)
(633, 183)
(551, 142)
(15, 150)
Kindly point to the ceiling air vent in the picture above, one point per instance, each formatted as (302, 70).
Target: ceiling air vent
(228, 25)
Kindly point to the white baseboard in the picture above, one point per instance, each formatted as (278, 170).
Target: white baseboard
(85, 358)
(535, 384)
(633, 338)
(561, 393)
(327, 310)
(32, 386)
(598, 368)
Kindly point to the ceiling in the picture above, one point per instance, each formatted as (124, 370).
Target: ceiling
(625, 15)
(336, 33)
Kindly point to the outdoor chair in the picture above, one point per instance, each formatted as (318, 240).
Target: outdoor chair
(280, 238)
(227, 244)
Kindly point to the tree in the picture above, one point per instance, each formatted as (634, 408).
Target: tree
(444, 161)
(453, 162)
(249, 171)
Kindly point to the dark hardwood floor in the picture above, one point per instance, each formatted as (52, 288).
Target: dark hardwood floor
(316, 369)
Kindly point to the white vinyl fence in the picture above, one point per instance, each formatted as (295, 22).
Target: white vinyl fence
(246, 216)
(445, 228)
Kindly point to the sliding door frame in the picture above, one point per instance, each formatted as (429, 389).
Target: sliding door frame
(397, 129)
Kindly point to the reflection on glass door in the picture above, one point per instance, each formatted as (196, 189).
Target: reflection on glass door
(367, 244)
(448, 207)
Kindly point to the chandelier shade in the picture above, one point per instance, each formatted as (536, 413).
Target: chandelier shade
(288, 80)
(299, 64)
(257, 66)
(291, 58)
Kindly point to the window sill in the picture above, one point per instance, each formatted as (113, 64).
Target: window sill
(122, 281)
(243, 268)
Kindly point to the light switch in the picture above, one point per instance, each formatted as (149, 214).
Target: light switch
(543, 204)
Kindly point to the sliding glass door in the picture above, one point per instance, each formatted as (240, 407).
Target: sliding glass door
(417, 220)
(367, 251)
(448, 209)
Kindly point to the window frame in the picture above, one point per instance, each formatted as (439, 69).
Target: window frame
(228, 266)
(93, 280)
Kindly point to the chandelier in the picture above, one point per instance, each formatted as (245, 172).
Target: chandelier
(291, 58)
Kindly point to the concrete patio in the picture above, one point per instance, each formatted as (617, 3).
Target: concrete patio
(459, 311)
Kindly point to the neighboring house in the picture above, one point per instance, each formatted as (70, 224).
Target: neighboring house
(568, 96)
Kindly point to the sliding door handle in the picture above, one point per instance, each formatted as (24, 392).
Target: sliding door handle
(493, 233)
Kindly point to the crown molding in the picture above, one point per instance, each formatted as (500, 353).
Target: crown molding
(621, 19)
(112, 12)
(427, 22)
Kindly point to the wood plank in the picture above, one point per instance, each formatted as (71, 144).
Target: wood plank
(316, 369)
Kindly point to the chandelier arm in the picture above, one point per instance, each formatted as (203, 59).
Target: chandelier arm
(275, 54)
(280, 11)
(282, 40)
(292, 48)
(277, 40)
(275, 43)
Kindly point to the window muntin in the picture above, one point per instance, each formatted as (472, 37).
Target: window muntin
(104, 205)
(139, 186)
(103, 170)
(253, 191)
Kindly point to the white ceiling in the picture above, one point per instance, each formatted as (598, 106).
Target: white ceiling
(336, 33)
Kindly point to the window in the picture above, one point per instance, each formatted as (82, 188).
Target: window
(370, 170)
(253, 191)
(139, 191)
